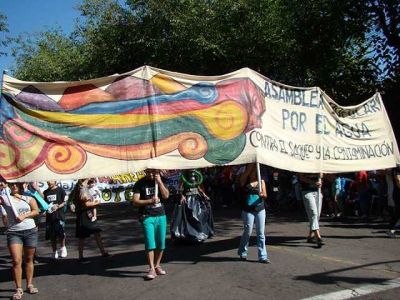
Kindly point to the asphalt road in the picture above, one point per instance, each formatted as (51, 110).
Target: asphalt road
(356, 254)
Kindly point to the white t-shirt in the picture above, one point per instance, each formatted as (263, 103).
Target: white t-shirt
(2, 211)
(22, 207)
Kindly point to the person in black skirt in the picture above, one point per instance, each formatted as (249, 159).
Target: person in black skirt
(85, 225)
(193, 219)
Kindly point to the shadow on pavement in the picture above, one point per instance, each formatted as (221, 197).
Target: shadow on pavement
(176, 253)
(107, 267)
(329, 278)
(357, 226)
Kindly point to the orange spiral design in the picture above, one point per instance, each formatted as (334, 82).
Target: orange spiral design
(194, 147)
(190, 145)
(65, 159)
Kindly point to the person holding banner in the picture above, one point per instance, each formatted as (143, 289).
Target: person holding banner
(22, 234)
(147, 192)
(312, 197)
(253, 210)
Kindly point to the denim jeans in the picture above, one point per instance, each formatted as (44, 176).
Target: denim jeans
(248, 221)
(313, 204)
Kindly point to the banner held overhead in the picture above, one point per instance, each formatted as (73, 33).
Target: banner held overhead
(151, 118)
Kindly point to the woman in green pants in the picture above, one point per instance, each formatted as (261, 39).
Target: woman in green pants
(152, 216)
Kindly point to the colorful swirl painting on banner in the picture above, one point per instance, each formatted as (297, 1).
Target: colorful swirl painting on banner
(131, 119)
(151, 118)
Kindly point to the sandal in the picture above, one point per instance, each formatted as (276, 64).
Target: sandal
(18, 294)
(31, 289)
(151, 275)
(160, 271)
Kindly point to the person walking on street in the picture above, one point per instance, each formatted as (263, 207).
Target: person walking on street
(55, 218)
(152, 217)
(22, 234)
(312, 197)
(253, 210)
(85, 225)
(192, 217)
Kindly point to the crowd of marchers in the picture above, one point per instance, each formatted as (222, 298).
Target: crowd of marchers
(258, 191)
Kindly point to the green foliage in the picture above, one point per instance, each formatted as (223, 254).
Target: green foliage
(47, 56)
(385, 34)
(340, 45)
(3, 29)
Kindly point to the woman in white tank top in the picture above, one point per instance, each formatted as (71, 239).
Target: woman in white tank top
(21, 233)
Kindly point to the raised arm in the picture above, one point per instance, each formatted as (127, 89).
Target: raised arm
(245, 175)
(161, 186)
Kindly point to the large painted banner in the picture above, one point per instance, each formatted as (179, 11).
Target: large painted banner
(151, 118)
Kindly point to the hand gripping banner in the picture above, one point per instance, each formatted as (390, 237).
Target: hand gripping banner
(151, 118)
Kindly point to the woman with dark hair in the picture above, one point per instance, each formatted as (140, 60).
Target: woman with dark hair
(85, 225)
(193, 220)
(147, 194)
(253, 211)
(22, 234)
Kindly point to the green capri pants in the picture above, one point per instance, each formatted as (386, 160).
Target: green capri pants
(155, 231)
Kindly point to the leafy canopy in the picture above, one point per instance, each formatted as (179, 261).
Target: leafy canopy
(348, 48)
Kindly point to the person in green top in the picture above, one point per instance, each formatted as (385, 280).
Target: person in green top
(253, 211)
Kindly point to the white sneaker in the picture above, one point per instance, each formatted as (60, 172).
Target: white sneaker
(55, 255)
(63, 252)
(391, 233)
